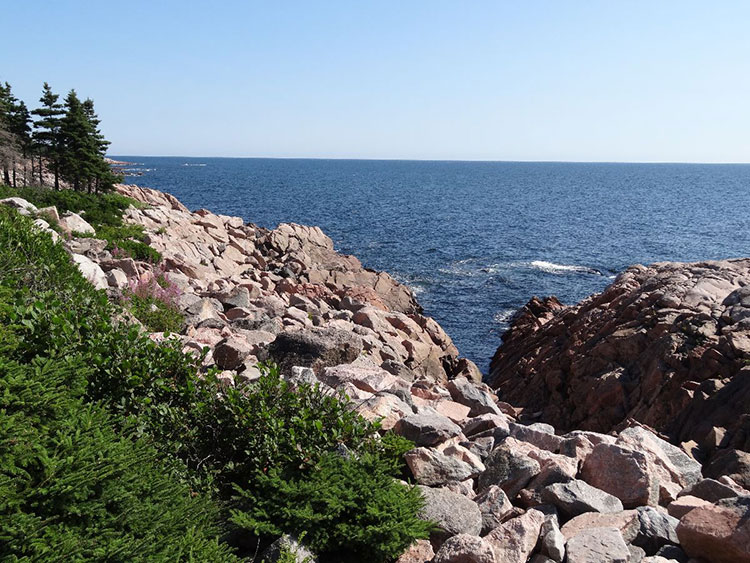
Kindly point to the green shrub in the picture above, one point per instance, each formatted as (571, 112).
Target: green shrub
(98, 209)
(156, 315)
(349, 509)
(102, 211)
(72, 489)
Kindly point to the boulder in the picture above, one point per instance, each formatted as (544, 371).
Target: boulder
(598, 545)
(538, 435)
(710, 490)
(655, 529)
(419, 552)
(508, 469)
(316, 348)
(230, 352)
(470, 394)
(74, 223)
(626, 522)
(452, 513)
(385, 407)
(576, 497)
(622, 472)
(731, 463)
(678, 508)
(116, 278)
(672, 467)
(19, 204)
(552, 540)
(514, 541)
(495, 507)
(719, 533)
(465, 548)
(91, 271)
(431, 467)
(426, 429)
(372, 380)
(238, 297)
(483, 422)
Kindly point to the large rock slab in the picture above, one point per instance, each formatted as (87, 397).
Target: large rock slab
(514, 541)
(432, 468)
(452, 513)
(368, 379)
(426, 429)
(622, 472)
(315, 348)
(509, 470)
(576, 497)
(598, 545)
(74, 223)
(719, 533)
(495, 507)
(463, 548)
(91, 271)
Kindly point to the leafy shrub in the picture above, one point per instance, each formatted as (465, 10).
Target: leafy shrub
(103, 211)
(349, 509)
(72, 489)
(99, 209)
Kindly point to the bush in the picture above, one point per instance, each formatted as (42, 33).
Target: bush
(75, 482)
(99, 209)
(349, 509)
(102, 211)
(72, 489)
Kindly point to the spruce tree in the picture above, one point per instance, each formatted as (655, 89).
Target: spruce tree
(80, 152)
(47, 138)
(8, 140)
(20, 127)
(103, 179)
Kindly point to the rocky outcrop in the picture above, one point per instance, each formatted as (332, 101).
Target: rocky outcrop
(324, 307)
(667, 345)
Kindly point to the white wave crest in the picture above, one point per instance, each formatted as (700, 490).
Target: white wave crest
(552, 268)
(504, 316)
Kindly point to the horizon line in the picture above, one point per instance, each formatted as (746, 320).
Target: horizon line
(392, 159)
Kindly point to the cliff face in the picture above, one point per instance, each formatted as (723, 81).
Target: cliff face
(667, 345)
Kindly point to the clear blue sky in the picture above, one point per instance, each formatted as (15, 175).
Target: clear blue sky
(520, 80)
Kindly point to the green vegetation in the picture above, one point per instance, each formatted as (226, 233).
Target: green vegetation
(102, 211)
(65, 138)
(113, 447)
(350, 508)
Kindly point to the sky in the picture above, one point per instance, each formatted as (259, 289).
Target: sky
(637, 81)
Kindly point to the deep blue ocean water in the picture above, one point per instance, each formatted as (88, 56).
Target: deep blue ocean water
(476, 240)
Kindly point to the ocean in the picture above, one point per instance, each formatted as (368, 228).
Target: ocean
(476, 240)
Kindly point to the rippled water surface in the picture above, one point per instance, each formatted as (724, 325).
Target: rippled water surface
(476, 240)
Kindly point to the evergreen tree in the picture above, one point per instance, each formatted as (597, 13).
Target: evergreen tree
(80, 151)
(20, 128)
(9, 146)
(47, 138)
(103, 179)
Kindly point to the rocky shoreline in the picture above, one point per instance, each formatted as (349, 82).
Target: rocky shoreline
(500, 485)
